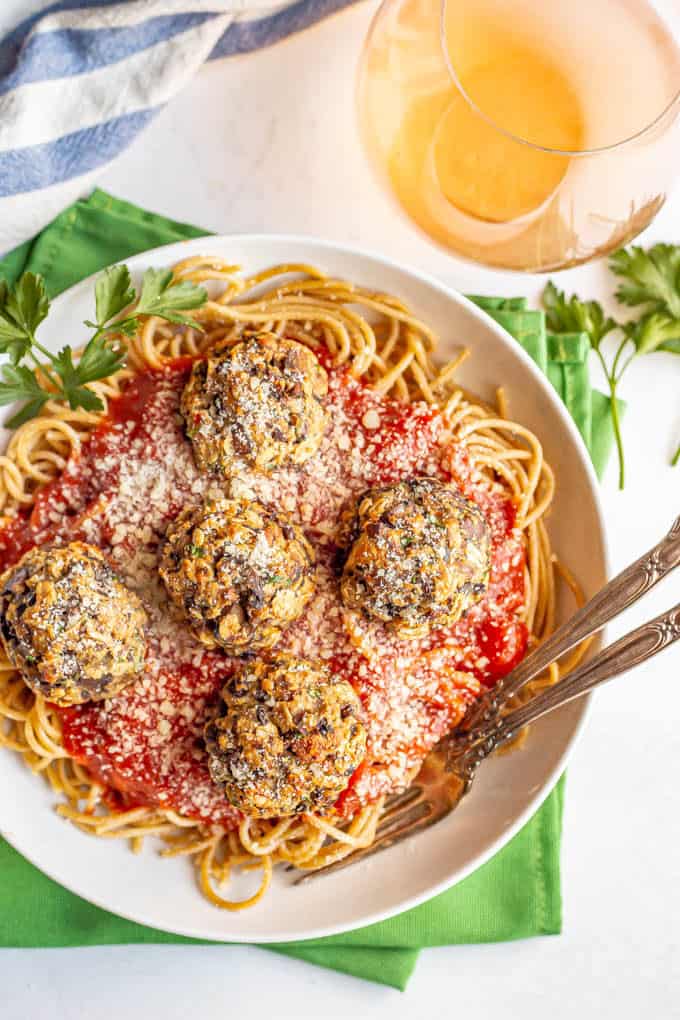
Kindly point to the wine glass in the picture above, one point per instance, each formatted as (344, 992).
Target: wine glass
(520, 134)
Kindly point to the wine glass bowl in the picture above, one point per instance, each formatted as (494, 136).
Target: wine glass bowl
(522, 135)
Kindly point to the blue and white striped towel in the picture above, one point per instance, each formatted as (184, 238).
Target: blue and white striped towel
(80, 79)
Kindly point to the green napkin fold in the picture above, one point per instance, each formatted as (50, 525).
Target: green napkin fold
(564, 359)
(517, 893)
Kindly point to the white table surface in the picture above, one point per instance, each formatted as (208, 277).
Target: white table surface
(267, 142)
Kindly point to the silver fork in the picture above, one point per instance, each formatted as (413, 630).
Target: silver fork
(449, 770)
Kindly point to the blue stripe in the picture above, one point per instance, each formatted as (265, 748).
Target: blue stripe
(11, 44)
(68, 52)
(245, 36)
(39, 166)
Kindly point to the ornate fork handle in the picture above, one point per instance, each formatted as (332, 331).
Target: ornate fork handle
(626, 653)
(620, 593)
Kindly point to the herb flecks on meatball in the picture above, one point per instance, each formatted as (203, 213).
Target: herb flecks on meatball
(417, 555)
(239, 573)
(70, 625)
(286, 738)
(257, 403)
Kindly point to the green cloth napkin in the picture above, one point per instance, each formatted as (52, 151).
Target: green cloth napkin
(517, 893)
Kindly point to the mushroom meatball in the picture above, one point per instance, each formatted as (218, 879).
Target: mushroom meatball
(418, 555)
(239, 573)
(285, 739)
(257, 402)
(70, 625)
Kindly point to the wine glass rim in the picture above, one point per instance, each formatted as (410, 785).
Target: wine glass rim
(594, 151)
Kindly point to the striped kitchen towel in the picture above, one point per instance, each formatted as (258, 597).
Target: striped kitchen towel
(79, 79)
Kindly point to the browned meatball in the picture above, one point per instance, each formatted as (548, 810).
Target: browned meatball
(418, 555)
(239, 573)
(70, 624)
(256, 403)
(286, 738)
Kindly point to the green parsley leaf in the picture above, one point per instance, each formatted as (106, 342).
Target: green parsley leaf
(63, 363)
(73, 380)
(14, 341)
(99, 359)
(19, 383)
(22, 308)
(113, 293)
(655, 332)
(649, 277)
(570, 315)
(196, 550)
(160, 296)
(26, 303)
(81, 397)
(31, 409)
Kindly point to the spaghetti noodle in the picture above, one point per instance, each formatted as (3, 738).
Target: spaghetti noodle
(383, 344)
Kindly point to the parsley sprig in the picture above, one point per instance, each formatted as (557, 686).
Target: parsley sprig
(649, 281)
(35, 375)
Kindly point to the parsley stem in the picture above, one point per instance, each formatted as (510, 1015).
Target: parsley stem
(42, 367)
(43, 370)
(625, 366)
(616, 420)
(617, 356)
(676, 458)
(617, 431)
(43, 350)
(622, 347)
(603, 363)
(117, 326)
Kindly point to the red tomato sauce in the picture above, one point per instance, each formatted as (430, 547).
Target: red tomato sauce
(145, 746)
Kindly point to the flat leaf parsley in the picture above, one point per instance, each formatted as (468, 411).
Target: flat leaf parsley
(649, 281)
(34, 375)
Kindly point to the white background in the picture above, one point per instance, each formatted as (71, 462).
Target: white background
(267, 142)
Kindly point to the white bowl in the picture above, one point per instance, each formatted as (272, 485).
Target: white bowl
(508, 790)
